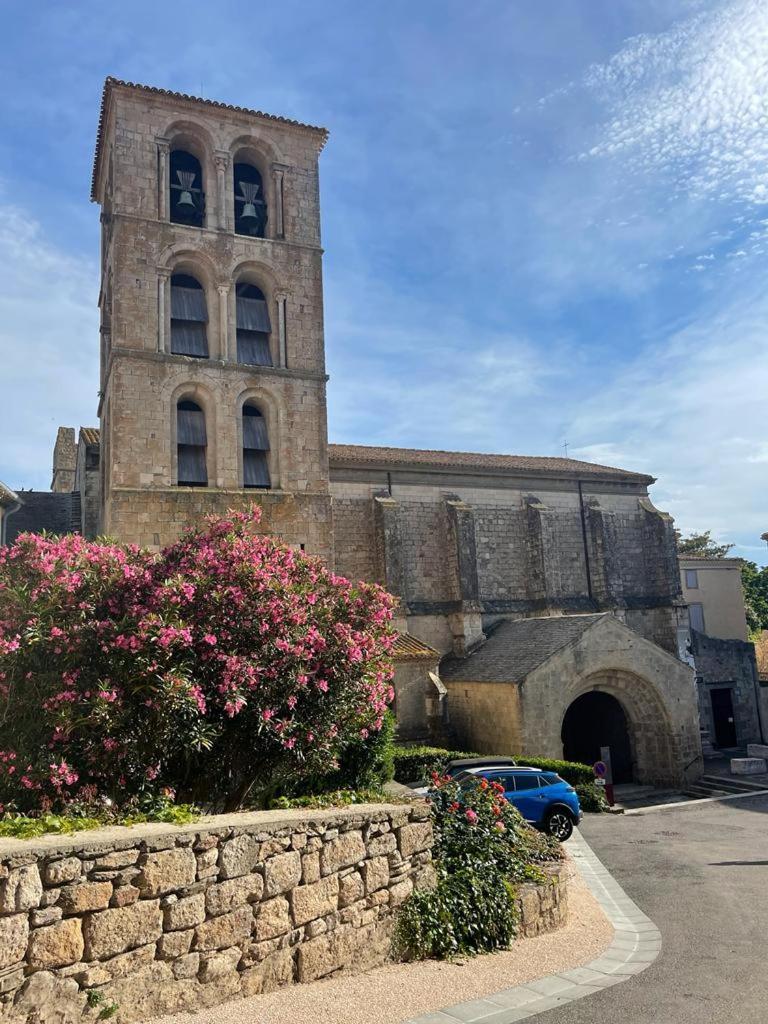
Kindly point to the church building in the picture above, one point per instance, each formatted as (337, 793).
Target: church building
(540, 601)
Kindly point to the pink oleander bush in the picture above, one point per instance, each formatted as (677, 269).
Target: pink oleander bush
(217, 669)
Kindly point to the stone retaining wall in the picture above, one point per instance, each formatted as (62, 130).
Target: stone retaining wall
(544, 908)
(159, 919)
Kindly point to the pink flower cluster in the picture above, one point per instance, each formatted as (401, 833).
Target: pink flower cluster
(225, 656)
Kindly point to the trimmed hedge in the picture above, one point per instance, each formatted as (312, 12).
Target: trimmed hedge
(415, 764)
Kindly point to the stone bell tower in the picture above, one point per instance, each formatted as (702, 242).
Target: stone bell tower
(213, 384)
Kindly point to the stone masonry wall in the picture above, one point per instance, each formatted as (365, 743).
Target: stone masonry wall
(160, 920)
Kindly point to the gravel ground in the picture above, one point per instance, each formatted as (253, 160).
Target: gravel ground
(391, 994)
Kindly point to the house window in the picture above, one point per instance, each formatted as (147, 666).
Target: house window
(189, 316)
(692, 579)
(255, 448)
(187, 199)
(192, 444)
(253, 326)
(250, 207)
(696, 613)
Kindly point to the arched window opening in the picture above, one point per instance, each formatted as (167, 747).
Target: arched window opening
(253, 326)
(187, 202)
(250, 207)
(255, 448)
(192, 442)
(189, 316)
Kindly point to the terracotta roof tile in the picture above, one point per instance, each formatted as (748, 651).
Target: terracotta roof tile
(408, 646)
(110, 83)
(347, 454)
(90, 434)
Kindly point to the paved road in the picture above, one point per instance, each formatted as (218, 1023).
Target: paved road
(701, 874)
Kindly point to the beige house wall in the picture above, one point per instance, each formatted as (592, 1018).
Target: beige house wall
(486, 717)
(720, 594)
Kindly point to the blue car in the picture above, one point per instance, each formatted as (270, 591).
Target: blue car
(543, 798)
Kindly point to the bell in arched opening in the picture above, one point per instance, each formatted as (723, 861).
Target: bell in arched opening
(250, 207)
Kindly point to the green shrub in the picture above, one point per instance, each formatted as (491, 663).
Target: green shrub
(482, 847)
(467, 912)
(334, 798)
(415, 764)
(591, 798)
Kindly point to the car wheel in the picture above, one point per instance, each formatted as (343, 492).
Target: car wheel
(560, 825)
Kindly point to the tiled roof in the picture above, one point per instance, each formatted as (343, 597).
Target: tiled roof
(761, 653)
(110, 83)
(90, 435)
(407, 646)
(514, 648)
(348, 454)
(54, 511)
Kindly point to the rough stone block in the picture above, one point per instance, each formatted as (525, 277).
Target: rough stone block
(376, 874)
(381, 845)
(219, 965)
(311, 901)
(414, 838)
(56, 945)
(21, 890)
(47, 915)
(757, 750)
(58, 872)
(174, 944)
(61, 997)
(77, 899)
(185, 913)
(114, 931)
(239, 856)
(14, 933)
(125, 895)
(400, 892)
(273, 973)
(342, 852)
(282, 873)
(272, 918)
(233, 893)
(129, 963)
(748, 766)
(167, 870)
(351, 889)
(310, 868)
(186, 966)
(226, 930)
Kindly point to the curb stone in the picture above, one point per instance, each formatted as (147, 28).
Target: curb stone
(636, 944)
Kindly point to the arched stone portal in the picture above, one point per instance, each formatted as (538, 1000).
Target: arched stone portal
(595, 720)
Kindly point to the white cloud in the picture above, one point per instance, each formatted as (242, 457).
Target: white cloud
(48, 348)
(691, 411)
(693, 101)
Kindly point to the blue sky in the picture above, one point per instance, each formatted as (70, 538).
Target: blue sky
(542, 222)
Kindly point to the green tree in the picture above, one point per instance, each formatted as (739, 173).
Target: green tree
(701, 544)
(754, 579)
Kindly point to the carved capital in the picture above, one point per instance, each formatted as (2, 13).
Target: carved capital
(221, 160)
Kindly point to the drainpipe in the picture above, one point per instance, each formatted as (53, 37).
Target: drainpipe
(584, 541)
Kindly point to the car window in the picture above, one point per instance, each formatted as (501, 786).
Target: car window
(526, 782)
(548, 779)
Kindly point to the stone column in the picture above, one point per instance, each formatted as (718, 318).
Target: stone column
(282, 328)
(163, 309)
(389, 549)
(222, 213)
(278, 177)
(163, 155)
(466, 622)
(224, 342)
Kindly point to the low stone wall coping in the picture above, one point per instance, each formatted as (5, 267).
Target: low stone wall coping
(118, 837)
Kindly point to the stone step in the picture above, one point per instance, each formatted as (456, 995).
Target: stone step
(740, 785)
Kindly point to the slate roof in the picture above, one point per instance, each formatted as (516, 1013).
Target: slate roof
(110, 83)
(407, 647)
(90, 435)
(53, 511)
(515, 648)
(359, 454)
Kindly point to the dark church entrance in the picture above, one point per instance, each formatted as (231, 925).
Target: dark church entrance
(597, 720)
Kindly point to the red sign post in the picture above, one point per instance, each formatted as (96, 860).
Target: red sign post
(603, 773)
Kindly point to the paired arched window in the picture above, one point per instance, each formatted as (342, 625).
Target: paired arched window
(187, 199)
(192, 445)
(255, 448)
(189, 317)
(250, 206)
(253, 326)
